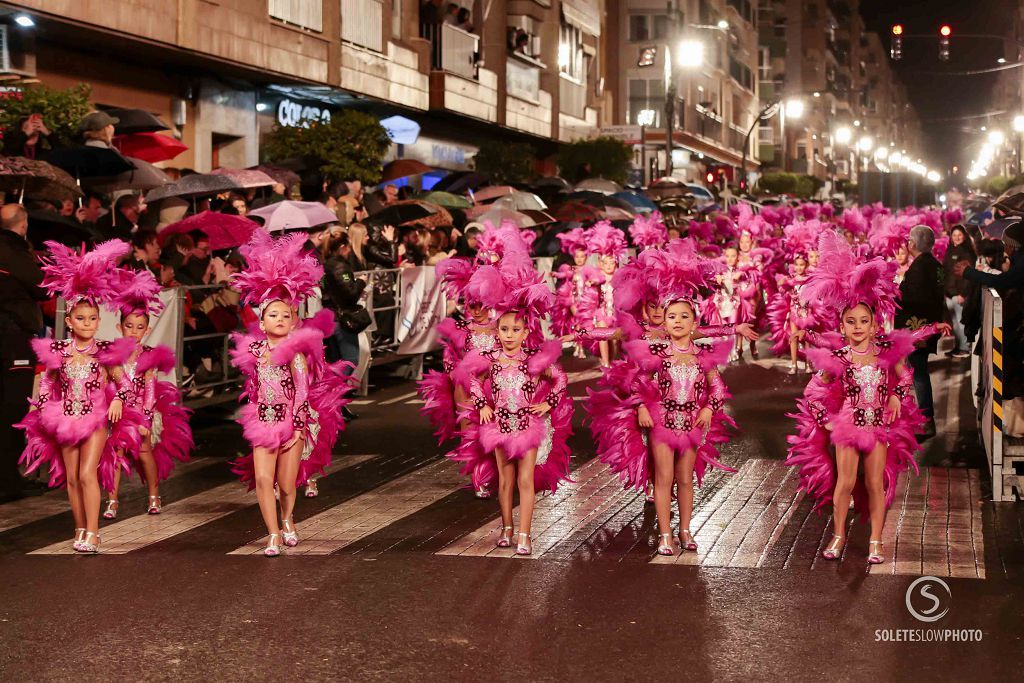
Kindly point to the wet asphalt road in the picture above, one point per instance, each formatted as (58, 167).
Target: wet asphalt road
(389, 608)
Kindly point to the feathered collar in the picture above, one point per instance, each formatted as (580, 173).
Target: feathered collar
(52, 353)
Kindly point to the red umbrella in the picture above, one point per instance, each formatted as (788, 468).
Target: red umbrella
(151, 147)
(402, 168)
(576, 212)
(226, 231)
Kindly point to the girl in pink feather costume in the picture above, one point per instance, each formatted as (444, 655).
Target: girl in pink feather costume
(861, 403)
(521, 416)
(84, 416)
(165, 437)
(598, 305)
(575, 281)
(292, 413)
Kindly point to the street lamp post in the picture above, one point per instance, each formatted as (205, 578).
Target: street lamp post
(765, 114)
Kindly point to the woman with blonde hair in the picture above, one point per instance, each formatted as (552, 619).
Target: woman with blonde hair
(358, 236)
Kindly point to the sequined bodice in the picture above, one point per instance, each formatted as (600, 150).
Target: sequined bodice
(607, 297)
(482, 341)
(137, 381)
(80, 387)
(866, 392)
(511, 386)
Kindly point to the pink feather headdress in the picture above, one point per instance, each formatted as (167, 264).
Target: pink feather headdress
(855, 220)
(604, 239)
(496, 243)
(843, 280)
(277, 270)
(648, 231)
(750, 223)
(572, 240)
(138, 292)
(888, 234)
(525, 291)
(681, 273)
(802, 236)
(79, 275)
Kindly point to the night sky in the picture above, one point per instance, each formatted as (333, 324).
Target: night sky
(934, 92)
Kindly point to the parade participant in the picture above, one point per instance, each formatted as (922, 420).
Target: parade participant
(733, 297)
(676, 393)
(648, 232)
(861, 403)
(598, 306)
(789, 313)
(480, 288)
(292, 413)
(83, 417)
(521, 415)
(576, 279)
(166, 436)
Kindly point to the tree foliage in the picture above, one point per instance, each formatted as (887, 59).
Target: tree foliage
(62, 110)
(607, 157)
(506, 163)
(350, 147)
(803, 186)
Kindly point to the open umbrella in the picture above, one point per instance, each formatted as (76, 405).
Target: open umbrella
(136, 121)
(491, 193)
(520, 201)
(438, 217)
(460, 181)
(614, 213)
(195, 185)
(576, 211)
(666, 187)
(37, 179)
(151, 147)
(498, 216)
(555, 182)
(599, 185)
(403, 168)
(638, 201)
(143, 176)
(245, 177)
(83, 161)
(45, 226)
(226, 231)
(289, 215)
(1012, 200)
(446, 199)
(401, 213)
(280, 174)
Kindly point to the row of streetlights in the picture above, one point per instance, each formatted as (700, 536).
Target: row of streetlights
(993, 144)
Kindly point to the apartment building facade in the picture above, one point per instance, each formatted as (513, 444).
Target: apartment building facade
(225, 72)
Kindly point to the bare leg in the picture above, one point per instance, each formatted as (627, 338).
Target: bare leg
(149, 472)
(265, 463)
(89, 480)
(874, 475)
(527, 494)
(112, 495)
(287, 473)
(506, 482)
(605, 354)
(794, 346)
(664, 466)
(684, 480)
(846, 479)
(70, 455)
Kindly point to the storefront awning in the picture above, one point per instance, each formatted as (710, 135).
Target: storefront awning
(583, 14)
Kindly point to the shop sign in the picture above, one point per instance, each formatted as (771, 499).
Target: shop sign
(291, 113)
(446, 155)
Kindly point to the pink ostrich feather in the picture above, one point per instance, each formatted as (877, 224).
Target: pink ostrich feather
(802, 236)
(604, 239)
(648, 231)
(485, 286)
(681, 272)
(277, 270)
(502, 240)
(572, 240)
(138, 292)
(455, 274)
(79, 275)
(842, 280)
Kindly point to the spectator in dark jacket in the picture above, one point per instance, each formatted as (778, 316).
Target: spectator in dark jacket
(921, 303)
(955, 288)
(991, 259)
(342, 291)
(21, 319)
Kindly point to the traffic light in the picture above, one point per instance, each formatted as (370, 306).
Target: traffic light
(710, 177)
(945, 31)
(896, 47)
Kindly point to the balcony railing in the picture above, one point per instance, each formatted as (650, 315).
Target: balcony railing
(362, 23)
(522, 80)
(737, 138)
(572, 97)
(452, 49)
(303, 13)
(706, 124)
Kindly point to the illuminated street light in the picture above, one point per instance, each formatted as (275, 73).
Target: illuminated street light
(1018, 123)
(933, 176)
(895, 158)
(996, 137)
(794, 108)
(690, 54)
(843, 135)
(865, 144)
(723, 24)
(645, 117)
(881, 153)
(24, 21)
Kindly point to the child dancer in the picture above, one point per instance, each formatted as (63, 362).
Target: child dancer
(575, 280)
(521, 415)
(648, 232)
(677, 394)
(83, 417)
(166, 436)
(861, 403)
(734, 291)
(609, 245)
(293, 411)
(789, 313)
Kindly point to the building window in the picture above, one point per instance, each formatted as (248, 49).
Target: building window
(764, 64)
(302, 13)
(740, 73)
(644, 27)
(570, 52)
(646, 95)
(766, 135)
(779, 28)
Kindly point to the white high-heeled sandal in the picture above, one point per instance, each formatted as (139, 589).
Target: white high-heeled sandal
(79, 537)
(154, 505)
(86, 546)
(524, 548)
(111, 511)
(273, 548)
(291, 536)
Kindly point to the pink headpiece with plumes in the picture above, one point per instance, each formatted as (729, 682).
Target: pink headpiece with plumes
(842, 280)
(572, 240)
(138, 292)
(854, 220)
(604, 239)
(78, 275)
(681, 272)
(749, 223)
(525, 291)
(888, 234)
(802, 236)
(277, 270)
(648, 231)
(502, 241)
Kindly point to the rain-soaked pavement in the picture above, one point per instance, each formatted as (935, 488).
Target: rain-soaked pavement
(397, 576)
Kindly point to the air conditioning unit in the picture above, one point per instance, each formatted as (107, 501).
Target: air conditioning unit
(17, 51)
(5, 51)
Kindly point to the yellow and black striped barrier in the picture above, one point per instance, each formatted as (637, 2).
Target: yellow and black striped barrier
(997, 381)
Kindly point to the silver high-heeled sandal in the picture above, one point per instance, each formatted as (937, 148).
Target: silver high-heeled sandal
(524, 548)
(311, 490)
(291, 536)
(834, 549)
(875, 555)
(87, 546)
(505, 539)
(154, 505)
(273, 548)
(665, 545)
(686, 540)
(79, 537)
(111, 511)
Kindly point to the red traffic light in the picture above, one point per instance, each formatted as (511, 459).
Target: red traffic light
(710, 178)
(945, 30)
(897, 29)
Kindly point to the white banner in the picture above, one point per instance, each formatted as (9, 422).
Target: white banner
(423, 307)
(163, 328)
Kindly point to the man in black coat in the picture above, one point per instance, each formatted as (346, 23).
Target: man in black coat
(922, 302)
(21, 319)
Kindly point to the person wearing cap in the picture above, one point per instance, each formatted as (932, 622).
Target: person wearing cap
(97, 129)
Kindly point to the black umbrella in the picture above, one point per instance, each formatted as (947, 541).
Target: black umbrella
(548, 244)
(400, 214)
(598, 199)
(136, 121)
(1011, 201)
(553, 182)
(44, 226)
(143, 176)
(84, 161)
(194, 185)
(460, 181)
